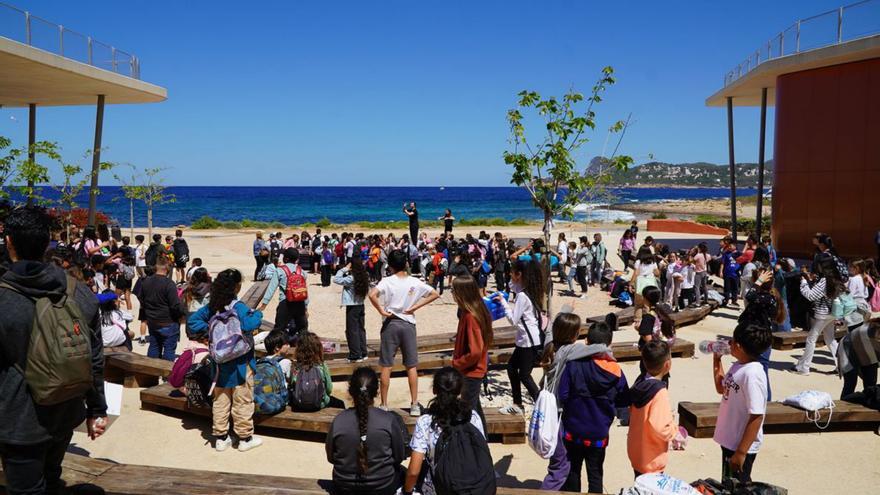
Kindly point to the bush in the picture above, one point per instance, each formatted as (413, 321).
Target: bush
(254, 224)
(206, 223)
(277, 225)
(323, 223)
(518, 221)
(621, 221)
(746, 225)
(78, 217)
(659, 216)
(231, 225)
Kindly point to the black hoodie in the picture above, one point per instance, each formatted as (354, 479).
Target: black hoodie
(644, 390)
(22, 422)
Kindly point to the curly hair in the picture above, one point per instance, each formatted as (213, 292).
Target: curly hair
(224, 289)
(363, 386)
(361, 277)
(309, 350)
(447, 408)
(534, 281)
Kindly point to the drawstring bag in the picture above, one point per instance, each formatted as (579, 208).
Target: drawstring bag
(812, 402)
(543, 425)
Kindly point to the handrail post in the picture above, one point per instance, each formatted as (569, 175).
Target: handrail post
(797, 42)
(839, 24)
(61, 40)
(781, 44)
(90, 49)
(113, 57)
(27, 27)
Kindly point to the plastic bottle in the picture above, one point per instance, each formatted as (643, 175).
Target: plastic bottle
(495, 308)
(721, 347)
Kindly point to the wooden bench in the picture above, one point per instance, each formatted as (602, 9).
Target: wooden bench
(134, 370)
(510, 428)
(79, 471)
(786, 341)
(254, 295)
(699, 418)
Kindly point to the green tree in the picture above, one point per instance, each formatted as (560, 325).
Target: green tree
(17, 166)
(148, 188)
(547, 167)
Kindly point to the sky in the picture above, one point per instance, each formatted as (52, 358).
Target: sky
(403, 93)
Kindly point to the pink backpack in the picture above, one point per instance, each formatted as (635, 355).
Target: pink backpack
(875, 299)
(182, 365)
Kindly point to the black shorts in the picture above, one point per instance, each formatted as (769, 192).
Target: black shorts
(180, 264)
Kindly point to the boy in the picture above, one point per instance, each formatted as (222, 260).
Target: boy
(590, 391)
(277, 347)
(743, 403)
(196, 264)
(180, 250)
(729, 271)
(651, 425)
(634, 229)
(401, 296)
(140, 252)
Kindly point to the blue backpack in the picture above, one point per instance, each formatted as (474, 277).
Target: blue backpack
(270, 387)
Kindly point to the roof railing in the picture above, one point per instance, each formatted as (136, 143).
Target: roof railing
(24, 27)
(840, 25)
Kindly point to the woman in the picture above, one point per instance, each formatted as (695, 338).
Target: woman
(444, 410)
(355, 284)
(821, 295)
(627, 244)
(472, 340)
(448, 221)
(701, 272)
(645, 274)
(527, 280)
(366, 444)
(235, 378)
(583, 260)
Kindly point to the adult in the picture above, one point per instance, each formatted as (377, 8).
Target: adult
(35, 437)
(625, 248)
(397, 298)
(365, 444)
(162, 309)
(260, 247)
(290, 316)
(600, 253)
(449, 220)
(413, 213)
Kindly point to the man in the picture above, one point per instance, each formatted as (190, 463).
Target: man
(600, 252)
(413, 215)
(291, 317)
(33, 437)
(401, 296)
(180, 249)
(162, 309)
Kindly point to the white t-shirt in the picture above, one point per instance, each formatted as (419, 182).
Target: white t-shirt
(856, 287)
(688, 274)
(745, 393)
(114, 334)
(562, 249)
(523, 311)
(349, 249)
(424, 440)
(397, 294)
(140, 255)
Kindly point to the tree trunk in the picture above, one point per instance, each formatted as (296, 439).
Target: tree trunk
(545, 258)
(131, 218)
(150, 221)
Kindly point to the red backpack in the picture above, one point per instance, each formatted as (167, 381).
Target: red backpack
(296, 290)
(339, 250)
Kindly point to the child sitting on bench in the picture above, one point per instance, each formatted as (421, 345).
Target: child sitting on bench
(276, 347)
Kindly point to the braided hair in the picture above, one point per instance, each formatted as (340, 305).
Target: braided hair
(363, 387)
(447, 407)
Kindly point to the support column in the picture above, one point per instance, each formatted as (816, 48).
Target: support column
(732, 167)
(96, 161)
(760, 215)
(32, 138)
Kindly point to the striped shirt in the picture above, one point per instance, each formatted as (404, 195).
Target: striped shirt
(817, 295)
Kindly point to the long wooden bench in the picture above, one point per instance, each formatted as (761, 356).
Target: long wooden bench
(786, 341)
(134, 370)
(510, 429)
(82, 474)
(699, 418)
(254, 295)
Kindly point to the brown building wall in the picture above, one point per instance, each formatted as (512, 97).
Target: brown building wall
(827, 158)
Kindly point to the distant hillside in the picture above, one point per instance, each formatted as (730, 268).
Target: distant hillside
(700, 174)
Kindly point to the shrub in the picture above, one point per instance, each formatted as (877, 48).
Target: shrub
(659, 216)
(277, 225)
(206, 223)
(323, 223)
(254, 224)
(519, 221)
(621, 221)
(231, 225)
(78, 217)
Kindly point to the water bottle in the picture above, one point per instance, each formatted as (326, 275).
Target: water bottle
(495, 308)
(721, 347)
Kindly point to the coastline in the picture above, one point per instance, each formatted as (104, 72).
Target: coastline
(692, 208)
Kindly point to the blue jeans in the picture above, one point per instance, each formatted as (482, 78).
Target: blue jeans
(764, 359)
(163, 342)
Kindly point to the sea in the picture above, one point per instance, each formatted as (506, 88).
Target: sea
(298, 205)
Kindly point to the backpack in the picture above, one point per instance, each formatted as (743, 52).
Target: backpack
(327, 255)
(308, 391)
(227, 342)
(200, 381)
(181, 250)
(270, 387)
(152, 254)
(296, 289)
(128, 272)
(80, 256)
(875, 298)
(543, 430)
(462, 462)
(59, 355)
(182, 366)
(339, 250)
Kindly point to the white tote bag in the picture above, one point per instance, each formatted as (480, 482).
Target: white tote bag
(544, 425)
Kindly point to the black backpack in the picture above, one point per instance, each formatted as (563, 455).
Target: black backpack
(462, 462)
(181, 250)
(200, 381)
(152, 254)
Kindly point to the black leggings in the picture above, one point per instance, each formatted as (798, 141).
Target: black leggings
(470, 393)
(868, 374)
(519, 371)
(581, 275)
(261, 261)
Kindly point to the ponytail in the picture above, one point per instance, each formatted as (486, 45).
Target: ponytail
(447, 407)
(363, 387)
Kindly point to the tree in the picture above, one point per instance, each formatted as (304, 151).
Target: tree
(149, 189)
(16, 165)
(549, 170)
(71, 187)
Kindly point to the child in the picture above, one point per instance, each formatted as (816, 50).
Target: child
(114, 321)
(744, 401)
(729, 272)
(196, 264)
(674, 279)
(355, 282)
(309, 354)
(195, 352)
(276, 348)
(651, 425)
(472, 340)
(590, 391)
(687, 298)
(140, 252)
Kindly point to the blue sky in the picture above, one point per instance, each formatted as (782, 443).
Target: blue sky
(402, 92)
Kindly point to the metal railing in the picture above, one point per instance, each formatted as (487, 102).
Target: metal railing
(847, 23)
(24, 27)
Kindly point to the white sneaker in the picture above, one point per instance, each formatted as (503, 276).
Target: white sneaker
(383, 407)
(415, 410)
(254, 442)
(511, 410)
(221, 445)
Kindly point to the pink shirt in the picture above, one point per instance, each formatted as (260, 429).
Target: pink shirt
(627, 244)
(700, 261)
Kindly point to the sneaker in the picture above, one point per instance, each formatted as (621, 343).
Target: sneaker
(142, 341)
(415, 410)
(796, 371)
(254, 442)
(383, 407)
(511, 410)
(222, 444)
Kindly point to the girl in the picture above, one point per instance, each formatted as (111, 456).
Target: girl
(448, 221)
(124, 277)
(656, 324)
(365, 444)
(235, 379)
(821, 295)
(114, 322)
(701, 272)
(644, 275)
(355, 284)
(527, 280)
(687, 298)
(584, 258)
(674, 279)
(473, 339)
(445, 409)
(197, 293)
(857, 285)
(325, 255)
(627, 244)
(764, 308)
(571, 266)
(310, 353)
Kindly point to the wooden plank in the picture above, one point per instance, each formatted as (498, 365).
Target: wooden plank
(511, 428)
(254, 295)
(785, 341)
(134, 370)
(699, 418)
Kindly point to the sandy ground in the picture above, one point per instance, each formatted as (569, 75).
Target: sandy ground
(690, 208)
(803, 463)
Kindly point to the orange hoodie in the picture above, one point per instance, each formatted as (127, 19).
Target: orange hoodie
(469, 354)
(651, 428)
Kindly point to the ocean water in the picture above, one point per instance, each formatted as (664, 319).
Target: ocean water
(297, 205)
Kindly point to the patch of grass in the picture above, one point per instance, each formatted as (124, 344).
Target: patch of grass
(206, 223)
(659, 216)
(232, 225)
(277, 225)
(323, 223)
(254, 224)
(620, 221)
